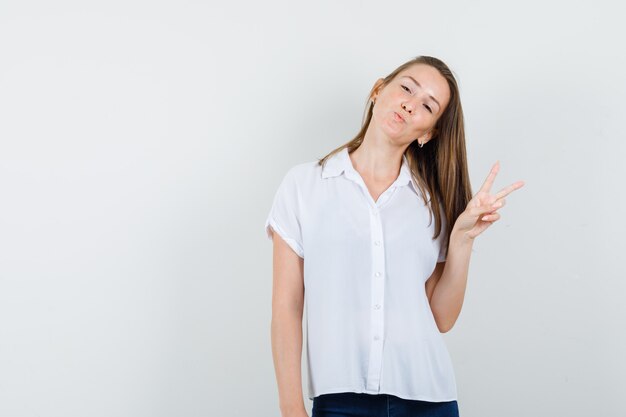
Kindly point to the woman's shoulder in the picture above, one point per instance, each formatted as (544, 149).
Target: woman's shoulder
(304, 171)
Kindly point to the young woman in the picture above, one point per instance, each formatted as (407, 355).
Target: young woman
(382, 280)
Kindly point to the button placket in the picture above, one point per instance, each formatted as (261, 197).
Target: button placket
(377, 314)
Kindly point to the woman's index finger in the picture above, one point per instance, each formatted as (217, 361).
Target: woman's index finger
(508, 190)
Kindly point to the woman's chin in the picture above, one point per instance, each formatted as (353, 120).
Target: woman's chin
(393, 128)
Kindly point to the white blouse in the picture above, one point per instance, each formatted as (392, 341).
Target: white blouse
(369, 325)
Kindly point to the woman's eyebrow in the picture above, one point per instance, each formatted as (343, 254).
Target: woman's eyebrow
(420, 86)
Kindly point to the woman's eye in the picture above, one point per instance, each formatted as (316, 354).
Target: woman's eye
(428, 108)
(406, 89)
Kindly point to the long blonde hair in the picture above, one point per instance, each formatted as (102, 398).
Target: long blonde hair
(440, 166)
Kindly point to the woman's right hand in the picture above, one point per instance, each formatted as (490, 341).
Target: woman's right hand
(299, 413)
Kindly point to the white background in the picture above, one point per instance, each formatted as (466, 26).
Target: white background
(141, 144)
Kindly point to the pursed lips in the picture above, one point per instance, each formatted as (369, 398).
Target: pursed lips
(398, 117)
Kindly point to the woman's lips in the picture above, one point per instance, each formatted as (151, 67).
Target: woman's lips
(397, 117)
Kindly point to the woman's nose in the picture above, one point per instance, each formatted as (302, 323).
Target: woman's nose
(404, 106)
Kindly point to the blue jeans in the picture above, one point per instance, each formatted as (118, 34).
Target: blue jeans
(352, 404)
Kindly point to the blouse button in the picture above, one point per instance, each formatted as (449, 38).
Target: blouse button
(377, 243)
(377, 274)
(376, 337)
(377, 306)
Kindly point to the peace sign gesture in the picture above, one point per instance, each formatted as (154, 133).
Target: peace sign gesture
(481, 210)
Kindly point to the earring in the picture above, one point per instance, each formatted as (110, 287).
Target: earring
(421, 145)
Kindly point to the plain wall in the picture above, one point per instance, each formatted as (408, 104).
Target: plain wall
(141, 144)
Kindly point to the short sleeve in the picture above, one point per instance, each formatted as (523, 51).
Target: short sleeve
(284, 217)
(443, 239)
(443, 252)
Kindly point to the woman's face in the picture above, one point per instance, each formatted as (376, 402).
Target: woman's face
(410, 105)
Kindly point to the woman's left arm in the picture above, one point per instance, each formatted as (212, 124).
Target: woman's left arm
(448, 295)
(481, 212)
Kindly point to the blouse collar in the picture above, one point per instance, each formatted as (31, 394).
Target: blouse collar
(341, 163)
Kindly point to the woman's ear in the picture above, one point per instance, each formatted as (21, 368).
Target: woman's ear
(376, 88)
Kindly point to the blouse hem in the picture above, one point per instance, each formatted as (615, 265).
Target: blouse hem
(390, 392)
